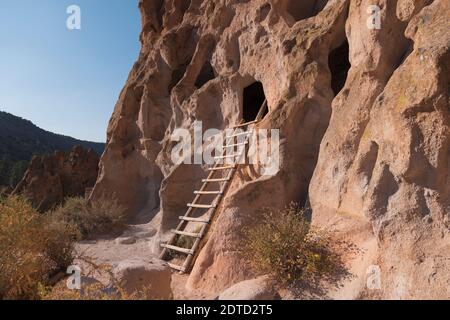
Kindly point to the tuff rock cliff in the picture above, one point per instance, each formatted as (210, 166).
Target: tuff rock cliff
(52, 178)
(363, 115)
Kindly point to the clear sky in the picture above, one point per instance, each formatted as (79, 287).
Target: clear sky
(66, 81)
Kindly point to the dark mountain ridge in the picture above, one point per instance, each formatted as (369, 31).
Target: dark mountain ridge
(20, 139)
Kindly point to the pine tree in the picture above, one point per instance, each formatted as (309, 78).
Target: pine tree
(5, 167)
(17, 172)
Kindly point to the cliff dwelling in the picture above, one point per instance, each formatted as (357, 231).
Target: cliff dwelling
(253, 99)
(339, 66)
(366, 141)
(259, 150)
(301, 10)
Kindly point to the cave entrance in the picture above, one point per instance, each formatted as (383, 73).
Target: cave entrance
(206, 74)
(254, 98)
(304, 9)
(339, 65)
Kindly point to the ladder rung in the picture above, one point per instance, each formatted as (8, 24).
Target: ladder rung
(187, 234)
(201, 206)
(199, 220)
(216, 180)
(236, 145)
(178, 249)
(239, 134)
(207, 192)
(175, 267)
(245, 124)
(228, 156)
(221, 168)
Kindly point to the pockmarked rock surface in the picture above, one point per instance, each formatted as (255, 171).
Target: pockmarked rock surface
(363, 113)
(52, 178)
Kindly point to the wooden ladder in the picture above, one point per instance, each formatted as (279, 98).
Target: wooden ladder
(220, 175)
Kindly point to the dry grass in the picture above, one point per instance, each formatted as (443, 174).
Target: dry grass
(91, 292)
(94, 290)
(91, 219)
(285, 246)
(4, 192)
(33, 248)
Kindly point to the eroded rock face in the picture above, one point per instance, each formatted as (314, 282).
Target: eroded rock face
(390, 164)
(363, 116)
(52, 178)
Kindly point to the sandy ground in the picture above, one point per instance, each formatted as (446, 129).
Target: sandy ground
(138, 242)
(112, 251)
(135, 243)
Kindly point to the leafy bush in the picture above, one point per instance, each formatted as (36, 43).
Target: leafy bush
(286, 246)
(91, 219)
(32, 249)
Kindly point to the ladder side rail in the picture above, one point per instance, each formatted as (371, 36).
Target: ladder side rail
(261, 111)
(189, 259)
(183, 223)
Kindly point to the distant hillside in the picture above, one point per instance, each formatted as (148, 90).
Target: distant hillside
(20, 139)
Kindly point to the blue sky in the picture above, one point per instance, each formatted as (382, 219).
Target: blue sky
(66, 81)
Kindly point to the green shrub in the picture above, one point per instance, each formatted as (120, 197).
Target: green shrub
(12, 171)
(285, 246)
(32, 249)
(91, 219)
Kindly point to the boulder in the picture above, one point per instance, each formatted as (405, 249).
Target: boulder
(256, 289)
(151, 277)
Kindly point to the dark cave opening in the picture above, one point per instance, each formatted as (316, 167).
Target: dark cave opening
(206, 74)
(408, 50)
(254, 98)
(339, 64)
(304, 9)
(177, 75)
